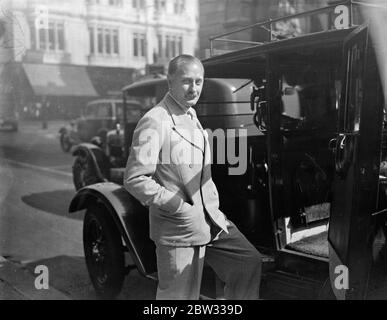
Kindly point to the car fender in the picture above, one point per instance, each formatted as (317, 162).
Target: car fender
(62, 131)
(70, 133)
(130, 217)
(97, 156)
(84, 147)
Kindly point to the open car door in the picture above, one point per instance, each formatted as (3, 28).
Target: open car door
(357, 162)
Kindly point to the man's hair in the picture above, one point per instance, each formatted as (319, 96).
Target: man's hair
(178, 61)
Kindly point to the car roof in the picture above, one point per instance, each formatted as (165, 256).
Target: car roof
(238, 63)
(144, 85)
(110, 100)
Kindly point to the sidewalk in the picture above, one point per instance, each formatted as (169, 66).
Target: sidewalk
(17, 283)
(53, 126)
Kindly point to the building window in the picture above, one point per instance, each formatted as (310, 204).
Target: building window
(180, 45)
(238, 11)
(106, 40)
(179, 6)
(139, 49)
(42, 39)
(142, 43)
(167, 46)
(51, 38)
(92, 2)
(33, 36)
(173, 46)
(138, 4)
(117, 3)
(160, 45)
(160, 5)
(60, 34)
(92, 42)
(100, 40)
(115, 42)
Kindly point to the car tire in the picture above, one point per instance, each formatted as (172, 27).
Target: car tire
(65, 143)
(104, 253)
(83, 172)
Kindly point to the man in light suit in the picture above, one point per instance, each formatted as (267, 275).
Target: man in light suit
(169, 170)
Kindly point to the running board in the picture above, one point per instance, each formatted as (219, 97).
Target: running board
(279, 285)
(301, 264)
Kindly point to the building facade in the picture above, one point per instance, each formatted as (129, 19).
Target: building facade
(106, 43)
(113, 33)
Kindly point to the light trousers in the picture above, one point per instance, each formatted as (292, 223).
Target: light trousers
(233, 258)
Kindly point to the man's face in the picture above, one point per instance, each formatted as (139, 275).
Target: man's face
(187, 83)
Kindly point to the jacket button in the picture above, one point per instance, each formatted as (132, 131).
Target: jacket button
(191, 166)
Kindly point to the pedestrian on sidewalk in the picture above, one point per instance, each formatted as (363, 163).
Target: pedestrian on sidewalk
(44, 113)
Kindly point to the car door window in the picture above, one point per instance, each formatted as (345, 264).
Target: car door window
(99, 110)
(309, 96)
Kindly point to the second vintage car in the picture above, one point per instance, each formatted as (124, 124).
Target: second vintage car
(97, 118)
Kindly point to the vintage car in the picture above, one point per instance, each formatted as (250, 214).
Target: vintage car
(312, 198)
(8, 117)
(98, 117)
(9, 122)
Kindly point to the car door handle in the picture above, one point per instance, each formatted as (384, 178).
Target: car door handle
(332, 145)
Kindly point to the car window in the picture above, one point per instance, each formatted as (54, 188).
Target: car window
(119, 110)
(99, 110)
(145, 102)
(309, 96)
(133, 112)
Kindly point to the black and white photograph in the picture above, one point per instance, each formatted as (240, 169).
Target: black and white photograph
(206, 152)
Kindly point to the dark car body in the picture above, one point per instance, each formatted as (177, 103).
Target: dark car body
(101, 115)
(8, 123)
(8, 117)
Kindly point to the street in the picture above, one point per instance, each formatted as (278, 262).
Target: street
(35, 226)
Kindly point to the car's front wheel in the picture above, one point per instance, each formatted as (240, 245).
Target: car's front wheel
(65, 143)
(104, 252)
(83, 172)
(15, 127)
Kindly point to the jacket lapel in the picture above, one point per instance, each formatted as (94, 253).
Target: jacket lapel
(179, 127)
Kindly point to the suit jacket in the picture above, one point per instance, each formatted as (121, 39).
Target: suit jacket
(169, 170)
